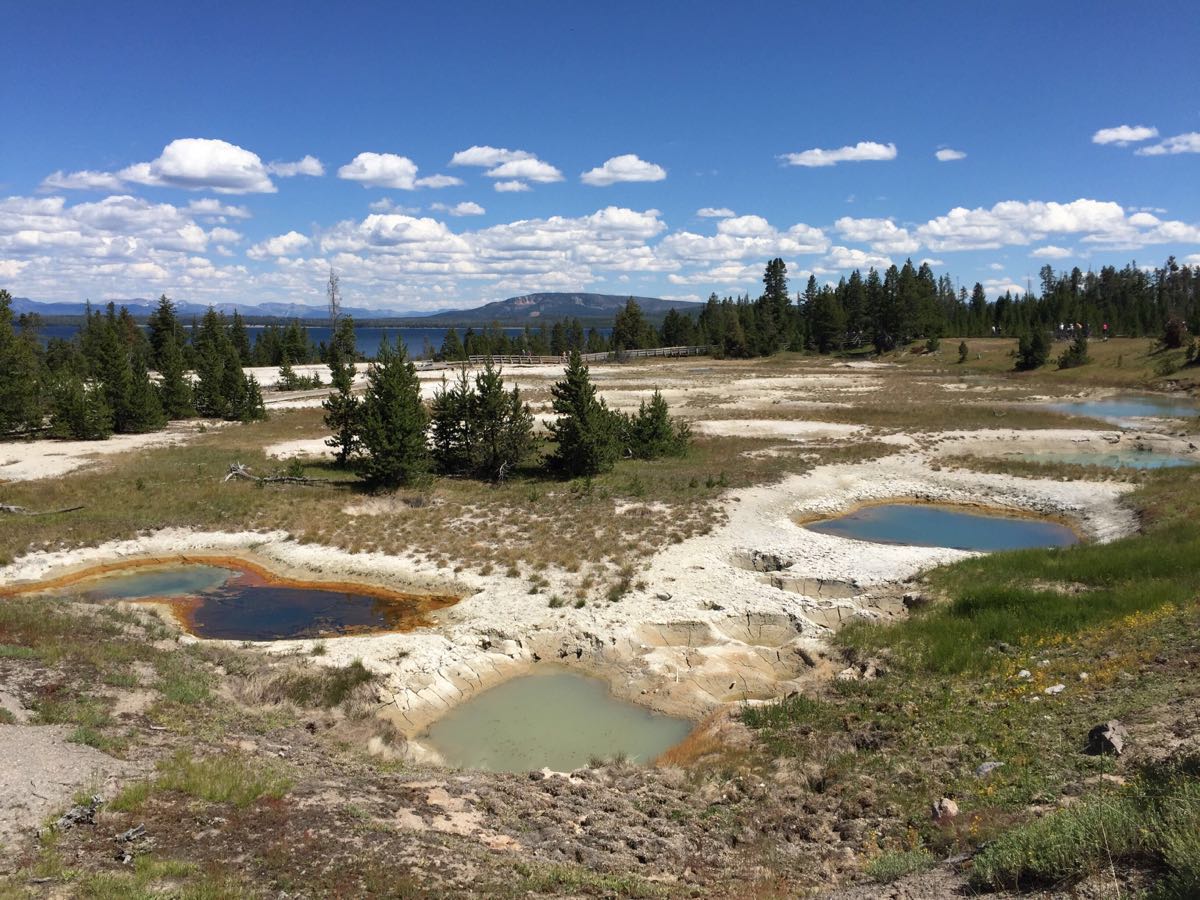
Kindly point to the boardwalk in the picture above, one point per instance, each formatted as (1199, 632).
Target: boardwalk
(608, 357)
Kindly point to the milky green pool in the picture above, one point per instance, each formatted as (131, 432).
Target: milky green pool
(552, 719)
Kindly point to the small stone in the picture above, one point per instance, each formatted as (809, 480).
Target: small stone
(944, 810)
(1024, 674)
(663, 595)
(1055, 689)
(987, 768)
(1083, 676)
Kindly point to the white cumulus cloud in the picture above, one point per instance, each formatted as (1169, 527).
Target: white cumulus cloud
(715, 212)
(211, 208)
(1124, 134)
(282, 245)
(466, 208)
(1180, 143)
(438, 181)
(85, 180)
(309, 165)
(627, 167)
(884, 235)
(861, 152)
(203, 164)
(385, 170)
(487, 157)
(946, 154)
(511, 187)
(526, 170)
(1050, 251)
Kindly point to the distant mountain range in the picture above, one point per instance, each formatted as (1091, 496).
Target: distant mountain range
(514, 310)
(532, 307)
(139, 306)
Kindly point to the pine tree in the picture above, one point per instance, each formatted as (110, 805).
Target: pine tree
(450, 425)
(174, 389)
(287, 376)
(586, 433)
(251, 407)
(392, 431)
(144, 411)
(112, 368)
(652, 433)
(630, 330)
(20, 390)
(342, 407)
(963, 351)
(776, 306)
(232, 385)
(452, 348)
(240, 338)
(500, 426)
(1076, 354)
(1032, 351)
(210, 342)
(164, 326)
(79, 410)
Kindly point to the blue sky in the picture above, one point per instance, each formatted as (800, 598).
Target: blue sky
(442, 155)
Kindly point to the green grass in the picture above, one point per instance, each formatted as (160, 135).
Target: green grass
(233, 778)
(893, 865)
(131, 797)
(950, 699)
(182, 681)
(319, 686)
(1154, 822)
(152, 879)
(1019, 598)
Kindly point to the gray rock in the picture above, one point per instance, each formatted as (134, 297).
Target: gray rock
(1107, 739)
(987, 768)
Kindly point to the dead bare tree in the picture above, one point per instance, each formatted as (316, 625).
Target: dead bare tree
(239, 472)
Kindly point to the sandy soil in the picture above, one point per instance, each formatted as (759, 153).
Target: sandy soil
(42, 770)
(29, 460)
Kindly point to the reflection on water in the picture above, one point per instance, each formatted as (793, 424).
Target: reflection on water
(1115, 459)
(1129, 406)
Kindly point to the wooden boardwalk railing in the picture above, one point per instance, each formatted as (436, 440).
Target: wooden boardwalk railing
(521, 360)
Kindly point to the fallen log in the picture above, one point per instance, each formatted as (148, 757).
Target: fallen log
(240, 472)
(22, 511)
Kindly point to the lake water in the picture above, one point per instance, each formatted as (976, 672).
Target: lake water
(234, 604)
(921, 525)
(553, 719)
(367, 339)
(1131, 406)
